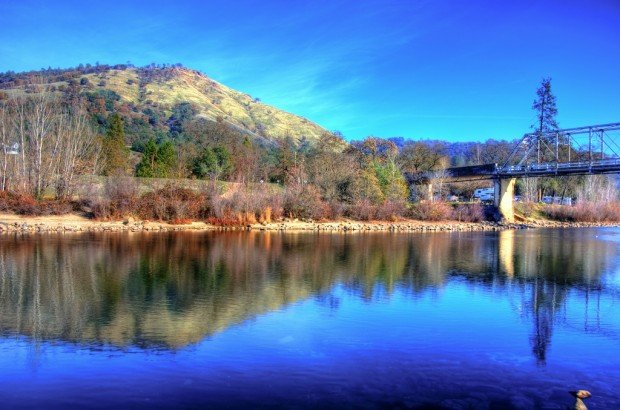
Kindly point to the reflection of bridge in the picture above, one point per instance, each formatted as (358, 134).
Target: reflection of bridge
(585, 150)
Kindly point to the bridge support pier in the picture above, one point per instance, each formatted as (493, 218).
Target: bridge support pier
(429, 192)
(504, 197)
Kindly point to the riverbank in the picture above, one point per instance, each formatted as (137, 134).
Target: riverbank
(10, 223)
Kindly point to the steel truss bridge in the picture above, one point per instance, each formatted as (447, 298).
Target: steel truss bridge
(588, 150)
(583, 150)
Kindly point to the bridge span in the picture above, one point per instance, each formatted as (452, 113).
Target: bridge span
(588, 150)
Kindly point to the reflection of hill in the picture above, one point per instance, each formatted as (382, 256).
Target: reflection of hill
(174, 289)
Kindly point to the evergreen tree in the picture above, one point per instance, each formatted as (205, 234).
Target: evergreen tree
(391, 180)
(166, 158)
(115, 152)
(204, 165)
(546, 112)
(545, 108)
(213, 162)
(147, 166)
(157, 160)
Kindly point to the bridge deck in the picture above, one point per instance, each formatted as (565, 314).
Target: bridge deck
(492, 171)
(605, 166)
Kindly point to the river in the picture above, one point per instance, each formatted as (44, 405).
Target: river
(511, 319)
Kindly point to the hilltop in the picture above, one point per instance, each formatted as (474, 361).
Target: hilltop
(157, 99)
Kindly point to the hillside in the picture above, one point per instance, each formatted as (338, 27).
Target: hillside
(156, 99)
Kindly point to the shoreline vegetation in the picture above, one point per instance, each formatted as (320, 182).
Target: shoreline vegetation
(129, 204)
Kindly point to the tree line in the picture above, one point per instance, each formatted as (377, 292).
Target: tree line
(49, 142)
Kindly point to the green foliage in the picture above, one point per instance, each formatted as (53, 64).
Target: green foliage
(115, 152)
(109, 98)
(157, 160)
(213, 162)
(181, 114)
(391, 180)
(147, 166)
(166, 158)
(366, 186)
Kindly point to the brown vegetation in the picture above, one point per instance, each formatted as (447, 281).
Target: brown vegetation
(584, 212)
(25, 204)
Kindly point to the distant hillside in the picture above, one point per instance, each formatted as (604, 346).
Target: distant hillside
(157, 100)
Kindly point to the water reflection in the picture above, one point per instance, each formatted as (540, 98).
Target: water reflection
(171, 290)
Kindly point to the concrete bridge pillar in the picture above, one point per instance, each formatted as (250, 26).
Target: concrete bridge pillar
(429, 192)
(504, 197)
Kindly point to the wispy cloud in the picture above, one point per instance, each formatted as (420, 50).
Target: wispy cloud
(317, 74)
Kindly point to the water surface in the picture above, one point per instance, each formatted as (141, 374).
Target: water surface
(510, 319)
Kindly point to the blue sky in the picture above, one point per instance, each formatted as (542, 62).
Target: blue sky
(456, 70)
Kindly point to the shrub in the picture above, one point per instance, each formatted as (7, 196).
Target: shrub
(55, 207)
(305, 202)
(526, 209)
(120, 195)
(20, 204)
(100, 209)
(362, 210)
(165, 204)
(559, 212)
(337, 209)
(584, 212)
(468, 213)
(25, 204)
(391, 210)
(431, 211)
(122, 192)
(172, 203)
(225, 220)
(610, 212)
(244, 206)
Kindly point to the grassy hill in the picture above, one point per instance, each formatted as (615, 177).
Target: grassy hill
(150, 99)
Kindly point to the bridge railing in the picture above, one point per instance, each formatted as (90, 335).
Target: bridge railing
(550, 167)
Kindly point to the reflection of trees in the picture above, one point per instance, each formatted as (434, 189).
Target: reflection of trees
(557, 261)
(545, 301)
(173, 289)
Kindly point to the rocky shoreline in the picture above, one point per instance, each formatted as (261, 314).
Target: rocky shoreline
(75, 223)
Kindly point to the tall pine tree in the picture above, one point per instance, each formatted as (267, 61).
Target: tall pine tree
(546, 111)
(545, 108)
(157, 160)
(147, 168)
(115, 152)
(166, 157)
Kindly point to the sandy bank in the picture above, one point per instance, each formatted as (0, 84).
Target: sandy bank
(76, 223)
(10, 223)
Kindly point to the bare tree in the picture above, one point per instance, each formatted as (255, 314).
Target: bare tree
(79, 149)
(530, 190)
(422, 156)
(598, 189)
(55, 143)
(439, 183)
(42, 115)
(5, 144)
